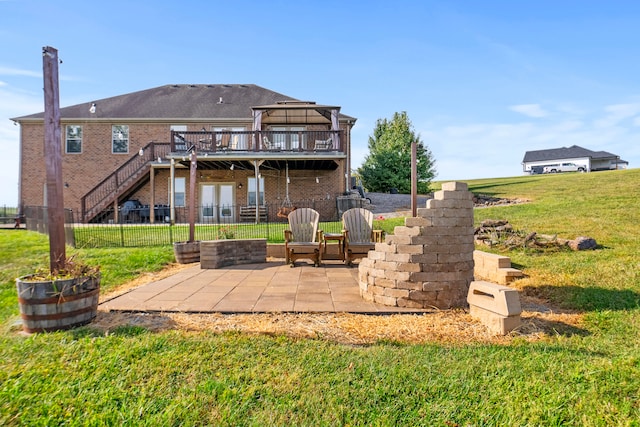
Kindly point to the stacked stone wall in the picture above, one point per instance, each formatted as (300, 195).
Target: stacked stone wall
(428, 262)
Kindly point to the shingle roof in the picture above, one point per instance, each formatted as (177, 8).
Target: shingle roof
(564, 153)
(177, 102)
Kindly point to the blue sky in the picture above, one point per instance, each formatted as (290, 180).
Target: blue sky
(482, 81)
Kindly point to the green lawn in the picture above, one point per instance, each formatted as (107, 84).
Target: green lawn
(135, 377)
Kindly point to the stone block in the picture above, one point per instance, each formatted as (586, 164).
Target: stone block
(410, 249)
(398, 275)
(418, 222)
(402, 230)
(432, 204)
(408, 266)
(386, 247)
(496, 323)
(496, 298)
(397, 257)
(396, 293)
(385, 300)
(455, 186)
(397, 239)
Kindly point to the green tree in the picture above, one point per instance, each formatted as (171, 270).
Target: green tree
(388, 164)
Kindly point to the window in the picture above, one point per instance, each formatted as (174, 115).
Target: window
(289, 138)
(180, 191)
(73, 138)
(119, 139)
(251, 191)
(237, 141)
(179, 138)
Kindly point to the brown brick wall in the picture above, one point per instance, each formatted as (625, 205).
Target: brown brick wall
(83, 171)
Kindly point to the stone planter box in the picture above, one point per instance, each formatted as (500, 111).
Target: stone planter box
(223, 253)
(187, 252)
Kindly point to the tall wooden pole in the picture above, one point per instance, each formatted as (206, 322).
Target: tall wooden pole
(53, 159)
(414, 179)
(193, 167)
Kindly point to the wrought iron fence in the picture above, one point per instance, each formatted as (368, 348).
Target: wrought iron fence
(136, 227)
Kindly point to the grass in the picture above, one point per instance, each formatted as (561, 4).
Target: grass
(90, 236)
(135, 377)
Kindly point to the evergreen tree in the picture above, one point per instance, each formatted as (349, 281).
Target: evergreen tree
(388, 164)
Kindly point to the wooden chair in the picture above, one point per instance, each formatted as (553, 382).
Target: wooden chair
(359, 235)
(303, 240)
(224, 142)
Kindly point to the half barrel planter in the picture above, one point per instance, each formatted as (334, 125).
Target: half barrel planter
(53, 305)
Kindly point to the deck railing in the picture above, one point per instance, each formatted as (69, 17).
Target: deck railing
(308, 141)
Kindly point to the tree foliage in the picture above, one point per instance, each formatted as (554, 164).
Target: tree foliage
(388, 164)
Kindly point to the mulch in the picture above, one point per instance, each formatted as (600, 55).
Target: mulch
(456, 326)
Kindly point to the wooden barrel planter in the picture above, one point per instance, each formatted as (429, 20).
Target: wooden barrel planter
(53, 305)
(187, 252)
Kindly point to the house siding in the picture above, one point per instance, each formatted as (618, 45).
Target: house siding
(83, 171)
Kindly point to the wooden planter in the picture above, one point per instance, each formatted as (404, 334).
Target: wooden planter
(187, 252)
(52, 305)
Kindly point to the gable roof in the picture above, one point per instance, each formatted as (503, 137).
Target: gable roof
(565, 153)
(175, 102)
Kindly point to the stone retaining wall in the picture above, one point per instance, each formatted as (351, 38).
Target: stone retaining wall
(428, 262)
(494, 268)
(222, 253)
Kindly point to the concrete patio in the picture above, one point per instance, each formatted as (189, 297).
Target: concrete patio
(254, 288)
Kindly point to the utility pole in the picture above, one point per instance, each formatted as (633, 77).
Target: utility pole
(414, 179)
(53, 159)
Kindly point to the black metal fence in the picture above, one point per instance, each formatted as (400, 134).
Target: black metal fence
(8, 214)
(135, 227)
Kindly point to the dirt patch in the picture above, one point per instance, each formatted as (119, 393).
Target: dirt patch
(539, 320)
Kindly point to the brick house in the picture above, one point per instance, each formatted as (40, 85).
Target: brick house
(251, 146)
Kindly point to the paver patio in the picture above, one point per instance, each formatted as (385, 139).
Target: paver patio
(254, 288)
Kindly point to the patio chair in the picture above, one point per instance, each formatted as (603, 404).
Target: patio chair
(359, 235)
(323, 145)
(224, 141)
(303, 240)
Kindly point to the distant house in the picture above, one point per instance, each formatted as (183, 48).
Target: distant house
(252, 147)
(535, 161)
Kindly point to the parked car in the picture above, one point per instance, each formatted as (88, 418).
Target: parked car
(536, 170)
(564, 167)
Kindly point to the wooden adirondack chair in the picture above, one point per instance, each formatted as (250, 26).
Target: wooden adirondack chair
(359, 235)
(303, 240)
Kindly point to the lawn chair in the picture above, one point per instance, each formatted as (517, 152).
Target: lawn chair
(303, 240)
(224, 142)
(359, 235)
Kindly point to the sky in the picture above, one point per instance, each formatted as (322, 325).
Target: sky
(481, 81)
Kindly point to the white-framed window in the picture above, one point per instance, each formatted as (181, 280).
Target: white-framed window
(73, 139)
(251, 191)
(120, 139)
(180, 191)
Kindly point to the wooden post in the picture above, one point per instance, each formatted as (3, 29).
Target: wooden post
(53, 159)
(414, 179)
(193, 167)
(152, 198)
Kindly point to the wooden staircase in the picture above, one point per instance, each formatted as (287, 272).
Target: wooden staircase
(121, 182)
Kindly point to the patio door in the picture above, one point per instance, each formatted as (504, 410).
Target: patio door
(216, 202)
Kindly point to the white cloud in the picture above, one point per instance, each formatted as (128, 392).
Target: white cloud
(495, 149)
(617, 113)
(8, 71)
(14, 103)
(530, 110)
